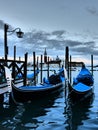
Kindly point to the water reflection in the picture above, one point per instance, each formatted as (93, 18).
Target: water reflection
(35, 111)
(55, 113)
(77, 113)
(25, 116)
(6, 115)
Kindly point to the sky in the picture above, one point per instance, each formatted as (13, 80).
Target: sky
(54, 24)
(49, 15)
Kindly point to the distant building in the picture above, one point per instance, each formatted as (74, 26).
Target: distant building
(57, 58)
(45, 56)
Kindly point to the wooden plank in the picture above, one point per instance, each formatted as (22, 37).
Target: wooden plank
(5, 89)
(3, 85)
(9, 60)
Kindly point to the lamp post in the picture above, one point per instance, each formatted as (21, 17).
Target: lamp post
(6, 30)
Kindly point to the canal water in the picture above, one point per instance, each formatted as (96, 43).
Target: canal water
(55, 113)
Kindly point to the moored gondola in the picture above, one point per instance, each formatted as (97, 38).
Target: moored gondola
(49, 86)
(82, 87)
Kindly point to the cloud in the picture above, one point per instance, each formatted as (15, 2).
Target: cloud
(86, 48)
(59, 33)
(1, 24)
(72, 43)
(35, 36)
(58, 40)
(92, 10)
(82, 50)
(90, 44)
(55, 43)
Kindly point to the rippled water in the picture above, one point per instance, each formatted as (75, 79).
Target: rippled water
(55, 113)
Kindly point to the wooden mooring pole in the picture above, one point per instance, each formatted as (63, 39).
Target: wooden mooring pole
(5, 42)
(92, 64)
(37, 68)
(13, 66)
(67, 60)
(14, 53)
(25, 69)
(70, 70)
(34, 65)
(48, 68)
(41, 63)
(67, 69)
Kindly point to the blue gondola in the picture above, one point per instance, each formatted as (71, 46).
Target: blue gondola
(82, 87)
(49, 86)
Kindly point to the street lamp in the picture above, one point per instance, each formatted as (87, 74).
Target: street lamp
(6, 29)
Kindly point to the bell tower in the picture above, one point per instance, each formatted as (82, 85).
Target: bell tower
(45, 56)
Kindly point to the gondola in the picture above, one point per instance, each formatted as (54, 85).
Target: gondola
(49, 86)
(82, 87)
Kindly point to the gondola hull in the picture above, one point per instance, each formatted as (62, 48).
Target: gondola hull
(26, 93)
(53, 84)
(82, 87)
(80, 92)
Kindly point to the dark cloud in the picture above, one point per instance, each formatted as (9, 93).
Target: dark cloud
(54, 43)
(90, 44)
(72, 43)
(59, 33)
(57, 40)
(35, 36)
(86, 48)
(83, 50)
(92, 10)
(40, 39)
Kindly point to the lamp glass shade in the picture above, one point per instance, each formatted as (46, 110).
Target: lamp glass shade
(20, 34)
